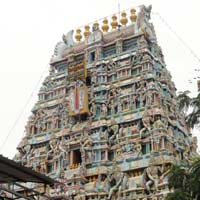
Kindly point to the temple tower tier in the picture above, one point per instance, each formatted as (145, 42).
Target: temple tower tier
(106, 124)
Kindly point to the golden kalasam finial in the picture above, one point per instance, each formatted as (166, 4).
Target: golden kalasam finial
(87, 31)
(105, 25)
(78, 35)
(114, 22)
(123, 20)
(133, 16)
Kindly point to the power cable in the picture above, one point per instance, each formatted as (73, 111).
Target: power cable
(179, 38)
(23, 109)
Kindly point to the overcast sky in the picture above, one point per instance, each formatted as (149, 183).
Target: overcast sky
(30, 29)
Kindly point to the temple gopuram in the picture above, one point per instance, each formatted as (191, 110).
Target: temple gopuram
(106, 125)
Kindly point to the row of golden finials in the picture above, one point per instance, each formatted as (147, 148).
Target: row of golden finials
(105, 26)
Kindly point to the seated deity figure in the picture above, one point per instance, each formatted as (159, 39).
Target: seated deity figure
(153, 175)
(159, 124)
(128, 146)
(96, 136)
(145, 131)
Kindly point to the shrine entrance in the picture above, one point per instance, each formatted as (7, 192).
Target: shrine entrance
(75, 157)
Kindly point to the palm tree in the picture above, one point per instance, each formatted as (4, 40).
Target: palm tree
(193, 119)
(178, 178)
(179, 181)
(178, 195)
(195, 179)
(185, 182)
(184, 101)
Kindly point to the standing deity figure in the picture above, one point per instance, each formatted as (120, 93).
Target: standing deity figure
(115, 185)
(155, 140)
(63, 152)
(26, 154)
(52, 151)
(112, 106)
(92, 108)
(138, 148)
(104, 110)
(113, 132)
(86, 143)
(119, 105)
(121, 131)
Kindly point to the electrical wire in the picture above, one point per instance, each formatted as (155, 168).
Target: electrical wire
(37, 84)
(23, 109)
(179, 38)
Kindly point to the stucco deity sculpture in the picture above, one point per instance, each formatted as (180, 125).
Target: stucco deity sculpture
(143, 24)
(86, 143)
(153, 174)
(104, 110)
(113, 131)
(93, 108)
(159, 124)
(106, 106)
(68, 39)
(115, 185)
(128, 146)
(53, 149)
(145, 131)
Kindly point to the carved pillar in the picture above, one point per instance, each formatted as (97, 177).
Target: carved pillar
(71, 158)
(152, 144)
(106, 155)
(162, 142)
(32, 130)
(148, 149)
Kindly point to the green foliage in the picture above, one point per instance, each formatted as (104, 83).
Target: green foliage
(195, 178)
(178, 195)
(178, 178)
(185, 102)
(185, 182)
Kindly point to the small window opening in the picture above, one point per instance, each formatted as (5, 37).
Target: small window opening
(92, 56)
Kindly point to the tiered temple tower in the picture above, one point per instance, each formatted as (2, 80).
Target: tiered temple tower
(106, 124)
